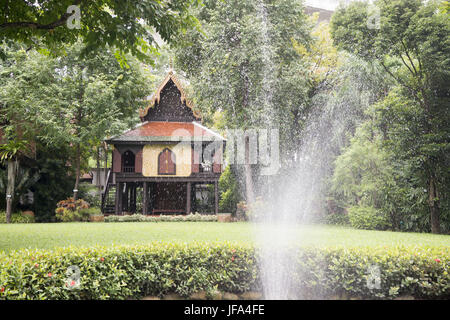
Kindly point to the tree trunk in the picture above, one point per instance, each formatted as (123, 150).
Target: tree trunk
(433, 203)
(12, 168)
(248, 173)
(97, 176)
(77, 172)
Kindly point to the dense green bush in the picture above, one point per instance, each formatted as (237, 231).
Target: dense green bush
(56, 180)
(16, 218)
(361, 217)
(370, 172)
(93, 211)
(256, 209)
(90, 193)
(127, 272)
(196, 217)
(340, 219)
(159, 268)
(418, 272)
(230, 194)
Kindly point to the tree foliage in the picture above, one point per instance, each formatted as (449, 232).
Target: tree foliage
(72, 100)
(244, 62)
(244, 65)
(230, 191)
(124, 24)
(412, 44)
(56, 180)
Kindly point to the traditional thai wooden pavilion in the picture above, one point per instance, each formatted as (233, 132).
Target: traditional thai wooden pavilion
(165, 162)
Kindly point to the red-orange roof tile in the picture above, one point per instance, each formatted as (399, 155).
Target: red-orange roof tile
(165, 129)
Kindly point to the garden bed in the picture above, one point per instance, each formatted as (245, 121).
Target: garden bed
(162, 218)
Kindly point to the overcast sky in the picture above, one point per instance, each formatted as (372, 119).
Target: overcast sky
(324, 4)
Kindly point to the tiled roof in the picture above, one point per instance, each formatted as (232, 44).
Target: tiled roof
(86, 176)
(167, 131)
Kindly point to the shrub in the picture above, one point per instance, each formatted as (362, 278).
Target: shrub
(16, 218)
(230, 194)
(367, 218)
(90, 193)
(255, 211)
(56, 180)
(340, 219)
(127, 272)
(241, 211)
(69, 210)
(122, 272)
(93, 211)
(163, 218)
(418, 272)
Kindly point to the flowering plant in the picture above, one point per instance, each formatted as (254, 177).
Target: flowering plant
(71, 210)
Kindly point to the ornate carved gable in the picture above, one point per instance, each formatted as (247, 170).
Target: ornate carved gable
(169, 103)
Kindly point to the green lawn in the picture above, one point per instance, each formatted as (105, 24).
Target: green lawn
(49, 235)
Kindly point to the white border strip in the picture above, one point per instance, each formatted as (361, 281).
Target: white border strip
(209, 130)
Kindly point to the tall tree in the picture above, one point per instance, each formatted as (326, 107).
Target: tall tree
(15, 137)
(73, 100)
(243, 63)
(412, 44)
(124, 24)
(102, 98)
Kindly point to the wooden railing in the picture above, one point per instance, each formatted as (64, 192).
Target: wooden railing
(128, 169)
(105, 191)
(205, 167)
(108, 175)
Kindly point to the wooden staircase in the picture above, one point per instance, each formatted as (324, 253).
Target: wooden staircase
(109, 196)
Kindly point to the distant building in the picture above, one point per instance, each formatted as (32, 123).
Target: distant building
(324, 15)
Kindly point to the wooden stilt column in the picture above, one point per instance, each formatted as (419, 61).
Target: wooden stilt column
(145, 199)
(188, 197)
(216, 197)
(116, 200)
(119, 187)
(125, 196)
(133, 198)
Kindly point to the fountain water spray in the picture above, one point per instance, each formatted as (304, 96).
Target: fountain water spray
(294, 194)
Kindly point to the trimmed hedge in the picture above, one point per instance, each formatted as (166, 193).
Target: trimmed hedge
(162, 218)
(127, 271)
(123, 272)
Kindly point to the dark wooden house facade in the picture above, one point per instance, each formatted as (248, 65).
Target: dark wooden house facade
(163, 164)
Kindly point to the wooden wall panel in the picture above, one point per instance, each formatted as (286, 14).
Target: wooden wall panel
(138, 162)
(217, 161)
(195, 162)
(116, 161)
(183, 159)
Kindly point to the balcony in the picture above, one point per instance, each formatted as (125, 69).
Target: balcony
(206, 167)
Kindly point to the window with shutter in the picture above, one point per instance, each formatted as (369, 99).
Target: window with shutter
(128, 161)
(166, 162)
